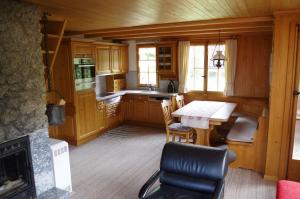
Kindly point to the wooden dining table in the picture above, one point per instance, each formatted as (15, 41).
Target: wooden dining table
(203, 116)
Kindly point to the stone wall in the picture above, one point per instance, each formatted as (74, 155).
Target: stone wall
(21, 70)
(22, 102)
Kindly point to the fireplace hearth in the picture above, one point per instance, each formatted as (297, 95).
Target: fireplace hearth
(16, 172)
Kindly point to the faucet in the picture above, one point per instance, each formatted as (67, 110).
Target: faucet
(150, 87)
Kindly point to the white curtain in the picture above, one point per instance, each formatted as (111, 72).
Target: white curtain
(183, 65)
(230, 66)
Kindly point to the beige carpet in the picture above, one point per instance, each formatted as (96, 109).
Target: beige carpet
(117, 164)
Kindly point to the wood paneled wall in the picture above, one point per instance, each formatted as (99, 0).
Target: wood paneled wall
(253, 65)
(283, 70)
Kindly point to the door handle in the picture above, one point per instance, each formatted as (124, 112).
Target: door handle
(296, 93)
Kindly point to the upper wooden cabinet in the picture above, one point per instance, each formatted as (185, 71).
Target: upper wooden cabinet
(111, 58)
(103, 59)
(166, 53)
(124, 59)
(83, 49)
(115, 59)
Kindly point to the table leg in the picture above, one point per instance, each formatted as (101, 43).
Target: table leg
(203, 136)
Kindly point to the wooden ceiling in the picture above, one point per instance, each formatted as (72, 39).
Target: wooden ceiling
(83, 15)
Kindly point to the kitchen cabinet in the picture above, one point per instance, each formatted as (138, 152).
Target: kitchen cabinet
(115, 59)
(124, 59)
(86, 114)
(83, 121)
(155, 112)
(140, 108)
(111, 58)
(83, 49)
(127, 107)
(115, 82)
(166, 57)
(103, 59)
(100, 115)
(113, 114)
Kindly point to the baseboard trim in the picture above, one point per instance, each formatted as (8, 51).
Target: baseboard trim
(270, 178)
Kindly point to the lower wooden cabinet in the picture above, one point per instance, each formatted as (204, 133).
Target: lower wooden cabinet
(84, 120)
(100, 115)
(142, 110)
(113, 115)
(86, 114)
(127, 107)
(155, 113)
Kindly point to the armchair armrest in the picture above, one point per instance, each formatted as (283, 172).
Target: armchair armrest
(219, 192)
(148, 184)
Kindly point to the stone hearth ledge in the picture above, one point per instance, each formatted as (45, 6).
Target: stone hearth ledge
(42, 164)
(54, 193)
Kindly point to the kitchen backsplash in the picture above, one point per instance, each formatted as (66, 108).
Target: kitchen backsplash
(131, 81)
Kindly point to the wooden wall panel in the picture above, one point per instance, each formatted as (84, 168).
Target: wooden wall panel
(253, 64)
(283, 68)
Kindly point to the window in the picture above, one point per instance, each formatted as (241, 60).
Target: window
(196, 68)
(202, 75)
(147, 74)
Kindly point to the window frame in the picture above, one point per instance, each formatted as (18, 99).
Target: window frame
(138, 46)
(205, 83)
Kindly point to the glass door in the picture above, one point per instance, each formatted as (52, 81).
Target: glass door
(294, 158)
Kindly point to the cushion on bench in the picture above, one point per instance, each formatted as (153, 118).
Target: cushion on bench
(287, 190)
(243, 129)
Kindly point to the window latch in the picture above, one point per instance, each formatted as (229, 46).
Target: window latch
(203, 76)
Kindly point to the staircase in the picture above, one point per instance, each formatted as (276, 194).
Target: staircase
(53, 32)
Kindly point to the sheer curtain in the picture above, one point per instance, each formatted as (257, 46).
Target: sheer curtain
(230, 66)
(183, 65)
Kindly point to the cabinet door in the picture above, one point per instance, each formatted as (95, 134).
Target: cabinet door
(86, 114)
(83, 49)
(167, 60)
(155, 112)
(127, 109)
(124, 59)
(100, 115)
(115, 59)
(102, 59)
(140, 111)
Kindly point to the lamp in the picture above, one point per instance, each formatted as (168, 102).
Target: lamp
(218, 58)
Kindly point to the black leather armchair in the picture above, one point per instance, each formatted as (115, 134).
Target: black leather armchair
(188, 172)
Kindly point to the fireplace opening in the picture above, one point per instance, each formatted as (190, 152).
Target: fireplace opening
(16, 174)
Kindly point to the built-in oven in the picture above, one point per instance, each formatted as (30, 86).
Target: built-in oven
(84, 73)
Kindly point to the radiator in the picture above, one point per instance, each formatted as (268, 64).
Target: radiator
(61, 164)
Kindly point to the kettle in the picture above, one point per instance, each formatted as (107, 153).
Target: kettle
(171, 87)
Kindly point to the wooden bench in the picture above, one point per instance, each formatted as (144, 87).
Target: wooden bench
(248, 140)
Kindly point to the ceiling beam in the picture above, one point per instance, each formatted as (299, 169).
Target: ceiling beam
(202, 23)
(178, 31)
(191, 33)
(182, 29)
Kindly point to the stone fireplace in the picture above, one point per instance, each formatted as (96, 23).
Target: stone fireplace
(16, 172)
(22, 92)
